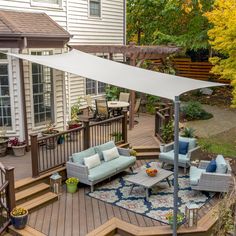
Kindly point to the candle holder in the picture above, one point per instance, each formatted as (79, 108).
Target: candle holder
(56, 183)
(191, 214)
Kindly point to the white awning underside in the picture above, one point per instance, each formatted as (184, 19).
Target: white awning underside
(118, 74)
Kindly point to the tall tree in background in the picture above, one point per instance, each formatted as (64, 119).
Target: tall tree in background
(179, 22)
(223, 39)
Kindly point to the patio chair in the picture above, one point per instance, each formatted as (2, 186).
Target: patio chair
(102, 110)
(89, 102)
(124, 97)
(210, 181)
(167, 155)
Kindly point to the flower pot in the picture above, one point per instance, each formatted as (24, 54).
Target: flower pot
(19, 222)
(19, 150)
(51, 143)
(3, 146)
(71, 188)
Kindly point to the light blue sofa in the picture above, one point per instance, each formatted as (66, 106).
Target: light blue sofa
(75, 166)
(167, 155)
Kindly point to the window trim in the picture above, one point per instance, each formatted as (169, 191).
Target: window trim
(95, 17)
(34, 3)
(34, 126)
(11, 129)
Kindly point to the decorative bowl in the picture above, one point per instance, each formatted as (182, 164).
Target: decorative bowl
(152, 172)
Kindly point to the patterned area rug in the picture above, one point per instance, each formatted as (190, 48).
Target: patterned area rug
(117, 192)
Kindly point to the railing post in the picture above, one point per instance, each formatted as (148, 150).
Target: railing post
(156, 122)
(10, 190)
(34, 155)
(86, 134)
(124, 127)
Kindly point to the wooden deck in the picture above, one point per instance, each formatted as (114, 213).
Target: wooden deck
(78, 214)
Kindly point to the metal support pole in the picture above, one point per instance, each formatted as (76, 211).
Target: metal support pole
(176, 157)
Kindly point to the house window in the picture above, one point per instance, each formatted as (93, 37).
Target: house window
(94, 87)
(95, 8)
(42, 92)
(5, 100)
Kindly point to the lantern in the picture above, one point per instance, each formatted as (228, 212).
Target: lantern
(191, 214)
(56, 183)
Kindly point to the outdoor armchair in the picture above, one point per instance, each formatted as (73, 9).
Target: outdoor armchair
(124, 97)
(209, 181)
(167, 154)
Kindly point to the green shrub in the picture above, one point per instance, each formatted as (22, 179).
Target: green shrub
(188, 132)
(151, 103)
(193, 111)
(112, 93)
(167, 133)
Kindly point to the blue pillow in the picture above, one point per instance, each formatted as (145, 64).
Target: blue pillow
(183, 147)
(211, 166)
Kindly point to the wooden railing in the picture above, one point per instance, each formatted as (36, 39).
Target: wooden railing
(7, 195)
(163, 114)
(53, 151)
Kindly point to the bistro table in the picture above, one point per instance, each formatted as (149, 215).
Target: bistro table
(117, 106)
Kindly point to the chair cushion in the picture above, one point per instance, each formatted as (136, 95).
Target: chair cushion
(79, 157)
(192, 142)
(221, 165)
(123, 162)
(92, 161)
(169, 156)
(211, 166)
(110, 154)
(183, 147)
(104, 170)
(194, 175)
(106, 146)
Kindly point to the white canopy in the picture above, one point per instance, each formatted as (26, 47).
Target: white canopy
(118, 74)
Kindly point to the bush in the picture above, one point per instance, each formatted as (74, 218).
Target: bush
(151, 103)
(188, 132)
(167, 132)
(194, 111)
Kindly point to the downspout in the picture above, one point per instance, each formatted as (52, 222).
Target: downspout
(22, 87)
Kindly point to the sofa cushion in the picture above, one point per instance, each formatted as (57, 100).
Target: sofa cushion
(169, 156)
(122, 162)
(221, 165)
(104, 170)
(110, 154)
(183, 147)
(194, 175)
(192, 142)
(211, 166)
(79, 157)
(92, 161)
(99, 149)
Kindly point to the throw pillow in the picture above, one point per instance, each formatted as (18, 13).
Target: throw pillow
(183, 147)
(221, 165)
(211, 166)
(79, 157)
(92, 161)
(110, 154)
(99, 149)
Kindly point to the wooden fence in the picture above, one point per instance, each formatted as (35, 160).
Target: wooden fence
(7, 196)
(195, 70)
(53, 151)
(163, 114)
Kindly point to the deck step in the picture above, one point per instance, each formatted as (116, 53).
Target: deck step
(31, 181)
(146, 148)
(31, 191)
(124, 145)
(27, 231)
(39, 202)
(147, 155)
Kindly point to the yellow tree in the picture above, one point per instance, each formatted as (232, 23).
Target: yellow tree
(223, 40)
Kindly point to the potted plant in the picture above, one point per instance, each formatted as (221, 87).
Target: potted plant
(17, 147)
(116, 136)
(132, 152)
(71, 184)
(19, 217)
(3, 142)
(51, 143)
(170, 218)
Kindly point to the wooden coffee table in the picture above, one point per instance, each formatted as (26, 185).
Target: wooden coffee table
(142, 179)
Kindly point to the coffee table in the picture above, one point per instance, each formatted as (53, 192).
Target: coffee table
(142, 179)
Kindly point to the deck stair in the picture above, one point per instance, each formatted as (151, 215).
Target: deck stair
(147, 152)
(34, 193)
(27, 231)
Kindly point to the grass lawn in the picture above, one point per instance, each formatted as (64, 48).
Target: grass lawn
(223, 143)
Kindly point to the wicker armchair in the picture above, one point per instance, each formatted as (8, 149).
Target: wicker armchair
(208, 181)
